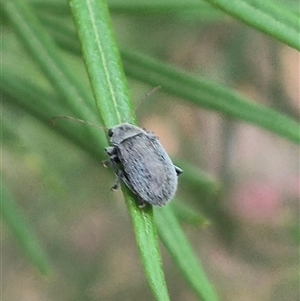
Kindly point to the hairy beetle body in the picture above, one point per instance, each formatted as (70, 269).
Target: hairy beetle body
(138, 158)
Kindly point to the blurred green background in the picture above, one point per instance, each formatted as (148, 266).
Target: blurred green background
(249, 243)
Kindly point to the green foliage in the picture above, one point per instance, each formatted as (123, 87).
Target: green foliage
(104, 63)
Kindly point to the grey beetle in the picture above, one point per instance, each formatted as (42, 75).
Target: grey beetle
(140, 161)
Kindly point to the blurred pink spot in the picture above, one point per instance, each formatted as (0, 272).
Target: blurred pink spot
(257, 201)
(294, 187)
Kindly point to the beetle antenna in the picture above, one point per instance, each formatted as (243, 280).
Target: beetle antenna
(54, 118)
(152, 91)
(52, 121)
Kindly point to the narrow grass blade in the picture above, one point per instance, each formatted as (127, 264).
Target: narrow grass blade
(23, 232)
(179, 248)
(108, 83)
(188, 215)
(41, 103)
(208, 95)
(266, 16)
(46, 54)
(27, 96)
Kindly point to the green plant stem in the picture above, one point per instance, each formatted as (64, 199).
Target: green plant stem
(266, 17)
(199, 91)
(178, 246)
(23, 232)
(208, 95)
(111, 95)
(40, 44)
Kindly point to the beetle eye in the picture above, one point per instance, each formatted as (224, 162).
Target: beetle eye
(110, 133)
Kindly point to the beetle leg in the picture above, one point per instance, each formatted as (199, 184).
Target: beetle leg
(106, 163)
(109, 163)
(113, 163)
(116, 185)
(178, 170)
(115, 159)
(125, 180)
(111, 150)
(141, 203)
(118, 172)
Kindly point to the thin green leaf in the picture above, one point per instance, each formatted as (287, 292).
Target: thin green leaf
(202, 181)
(27, 96)
(41, 104)
(133, 6)
(108, 83)
(202, 92)
(274, 18)
(102, 61)
(166, 6)
(266, 16)
(24, 233)
(179, 248)
(208, 95)
(42, 48)
(187, 214)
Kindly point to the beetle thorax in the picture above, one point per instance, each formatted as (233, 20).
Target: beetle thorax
(122, 132)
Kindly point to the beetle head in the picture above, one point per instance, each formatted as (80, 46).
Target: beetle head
(122, 132)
